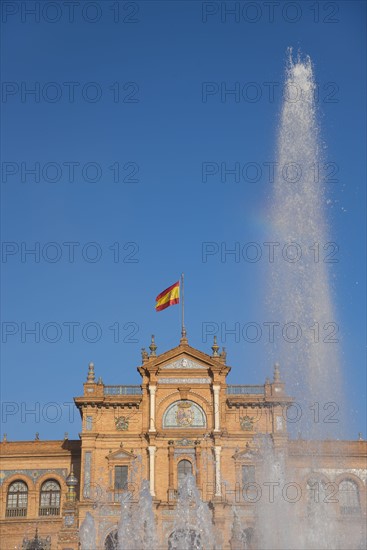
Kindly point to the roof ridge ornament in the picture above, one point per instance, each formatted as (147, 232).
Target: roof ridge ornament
(276, 373)
(144, 355)
(153, 347)
(183, 339)
(91, 377)
(215, 348)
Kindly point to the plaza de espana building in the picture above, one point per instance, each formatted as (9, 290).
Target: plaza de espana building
(183, 417)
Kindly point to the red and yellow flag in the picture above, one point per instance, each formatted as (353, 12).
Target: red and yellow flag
(168, 297)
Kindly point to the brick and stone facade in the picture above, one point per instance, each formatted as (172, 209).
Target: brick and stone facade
(183, 410)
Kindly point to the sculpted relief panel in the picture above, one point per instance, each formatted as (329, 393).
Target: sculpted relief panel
(184, 364)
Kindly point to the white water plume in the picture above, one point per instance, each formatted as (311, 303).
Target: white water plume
(300, 296)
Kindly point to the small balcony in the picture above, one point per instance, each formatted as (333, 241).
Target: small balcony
(16, 512)
(49, 511)
(245, 390)
(350, 510)
(122, 390)
(122, 495)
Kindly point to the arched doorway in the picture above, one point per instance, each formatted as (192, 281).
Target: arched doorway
(184, 468)
(111, 541)
(185, 539)
(247, 538)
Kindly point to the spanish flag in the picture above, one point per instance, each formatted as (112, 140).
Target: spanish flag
(168, 297)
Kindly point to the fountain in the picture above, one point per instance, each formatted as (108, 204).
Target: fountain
(193, 525)
(300, 297)
(136, 528)
(137, 524)
(87, 533)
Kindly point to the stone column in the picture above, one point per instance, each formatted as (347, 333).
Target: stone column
(152, 451)
(171, 488)
(152, 390)
(171, 451)
(198, 466)
(216, 408)
(218, 485)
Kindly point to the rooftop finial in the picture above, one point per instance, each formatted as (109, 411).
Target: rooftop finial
(223, 355)
(153, 347)
(90, 377)
(276, 373)
(215, 348)
(183, 336)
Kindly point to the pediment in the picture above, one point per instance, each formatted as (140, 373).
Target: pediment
(120, 454)
(183, 359)
(249, 453)
(245, 456)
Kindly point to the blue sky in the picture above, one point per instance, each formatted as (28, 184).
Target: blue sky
(133, 94)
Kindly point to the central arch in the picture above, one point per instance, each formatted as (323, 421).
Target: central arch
(185, 538)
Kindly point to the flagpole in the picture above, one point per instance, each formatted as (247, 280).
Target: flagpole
(183, 329)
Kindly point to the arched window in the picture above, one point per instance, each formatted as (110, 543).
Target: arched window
(249, 487)
(247, 537)
(184, 468)
(111, 541)
(17, 501)
(50, 498)
(349, 497)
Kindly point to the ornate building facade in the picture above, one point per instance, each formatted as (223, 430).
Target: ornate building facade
(182, 418)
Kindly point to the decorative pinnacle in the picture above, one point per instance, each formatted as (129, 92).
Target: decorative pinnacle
(90, 377)
(144, 355)
(153, 347)
(71, 482)
(223, 355)
(215, 348)
(276, 373)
